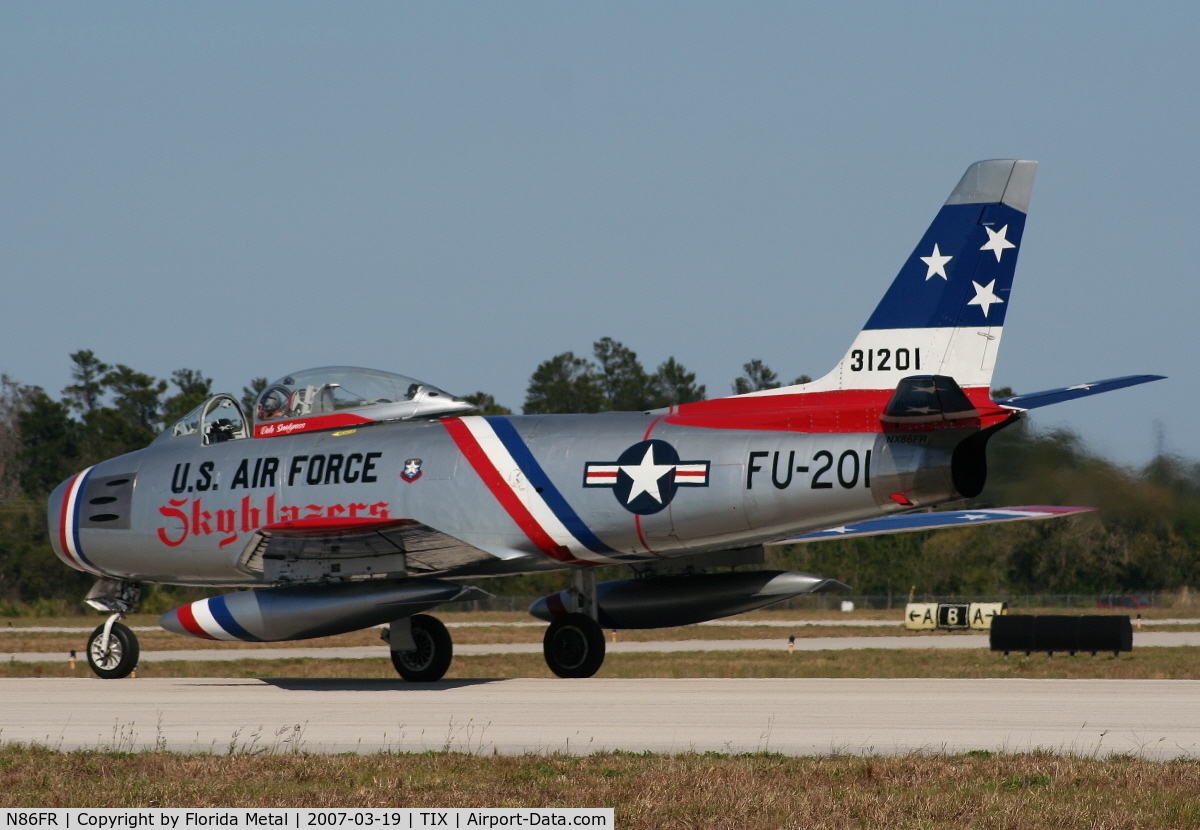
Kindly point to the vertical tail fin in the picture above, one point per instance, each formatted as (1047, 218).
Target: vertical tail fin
(944, 312)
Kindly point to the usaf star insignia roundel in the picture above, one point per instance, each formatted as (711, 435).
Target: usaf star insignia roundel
(644, 479)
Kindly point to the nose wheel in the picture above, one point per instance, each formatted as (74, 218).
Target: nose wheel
(574, 646)
(112, 651)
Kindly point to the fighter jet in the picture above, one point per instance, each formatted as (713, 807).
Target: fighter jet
(352, 498)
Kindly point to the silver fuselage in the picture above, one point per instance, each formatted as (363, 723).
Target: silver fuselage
(192, 508)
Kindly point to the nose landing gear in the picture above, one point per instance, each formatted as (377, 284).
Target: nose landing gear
(112, 650)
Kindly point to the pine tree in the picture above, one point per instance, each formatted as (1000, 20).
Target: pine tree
(564, 384)
(756, 376)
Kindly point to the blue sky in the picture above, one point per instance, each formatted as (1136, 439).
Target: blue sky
(459, 191)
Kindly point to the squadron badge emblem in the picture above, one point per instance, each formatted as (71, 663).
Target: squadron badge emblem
(412, 470)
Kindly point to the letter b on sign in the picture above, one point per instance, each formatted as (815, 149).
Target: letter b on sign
(953, 616)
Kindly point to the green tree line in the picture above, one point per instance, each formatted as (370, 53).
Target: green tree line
(1145, 537)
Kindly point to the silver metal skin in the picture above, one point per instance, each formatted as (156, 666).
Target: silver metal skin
(190, 525)
(996, 180)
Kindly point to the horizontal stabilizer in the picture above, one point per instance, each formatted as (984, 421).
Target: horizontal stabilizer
(1070, 393)
(910, 522)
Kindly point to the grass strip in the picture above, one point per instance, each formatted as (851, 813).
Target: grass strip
(979, 789)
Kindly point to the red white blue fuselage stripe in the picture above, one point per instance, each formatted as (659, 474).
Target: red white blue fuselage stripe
(68, 524)
(513, 475)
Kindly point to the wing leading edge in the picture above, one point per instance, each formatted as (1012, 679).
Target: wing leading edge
(911, 522)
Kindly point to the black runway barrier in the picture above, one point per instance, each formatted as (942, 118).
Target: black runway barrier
(1060, 632)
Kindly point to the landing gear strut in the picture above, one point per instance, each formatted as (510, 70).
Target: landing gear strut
(112, 650)
(574, 643)
(421, 648)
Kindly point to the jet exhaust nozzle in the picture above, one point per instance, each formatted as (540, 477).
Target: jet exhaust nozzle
(666, 601)
(301, 612)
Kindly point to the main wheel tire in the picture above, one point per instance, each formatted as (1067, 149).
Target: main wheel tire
(574, 646)
(121, 656)
(434, 651)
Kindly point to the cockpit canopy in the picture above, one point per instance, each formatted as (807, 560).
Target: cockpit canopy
(335, 396)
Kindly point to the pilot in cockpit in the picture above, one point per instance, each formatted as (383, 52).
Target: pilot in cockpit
(273, 405)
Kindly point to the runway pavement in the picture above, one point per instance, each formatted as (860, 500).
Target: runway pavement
(1152, 718)
(939, 641)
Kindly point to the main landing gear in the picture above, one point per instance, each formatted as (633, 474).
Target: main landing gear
(421, 648)
(573, 646)
(112, 650)
(574, 643)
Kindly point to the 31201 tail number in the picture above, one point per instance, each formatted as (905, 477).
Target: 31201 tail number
(885, 360)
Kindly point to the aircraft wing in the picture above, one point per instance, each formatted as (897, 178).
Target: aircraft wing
(1069, 393)
(910, 522)
(313, 548)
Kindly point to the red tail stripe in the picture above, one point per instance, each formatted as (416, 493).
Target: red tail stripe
(835, 411)
(508, 499)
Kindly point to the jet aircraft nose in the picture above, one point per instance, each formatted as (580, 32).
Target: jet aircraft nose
(62, 521)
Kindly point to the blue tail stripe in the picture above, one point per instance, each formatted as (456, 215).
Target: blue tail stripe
(533, 471)
(220, 612)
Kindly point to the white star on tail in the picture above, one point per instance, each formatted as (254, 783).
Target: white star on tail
(937, 264)
(996, 242)
(984, 298)
(646, 476)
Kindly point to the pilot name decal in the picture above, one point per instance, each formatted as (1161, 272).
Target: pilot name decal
(252, 473)
(190, 518)
(646, 476)
(281, 429)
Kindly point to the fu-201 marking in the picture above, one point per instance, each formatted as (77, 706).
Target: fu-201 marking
(885, 360)
(848, 469)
